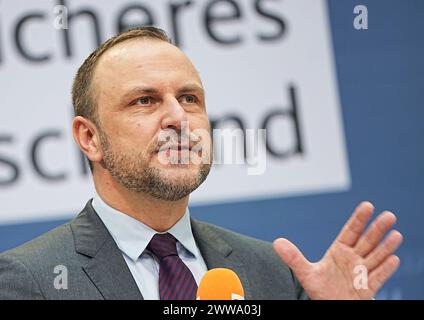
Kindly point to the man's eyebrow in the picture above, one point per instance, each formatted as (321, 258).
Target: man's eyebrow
(136, 90)
(150, 90)
(191, 88)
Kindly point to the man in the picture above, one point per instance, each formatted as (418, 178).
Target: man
(140, 113)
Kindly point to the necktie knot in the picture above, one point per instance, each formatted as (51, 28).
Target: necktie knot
(163, 245)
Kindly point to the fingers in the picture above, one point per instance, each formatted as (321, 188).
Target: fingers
(375, 233)
(384, 250)
(355, 226)
(291, 255)
(383, 272)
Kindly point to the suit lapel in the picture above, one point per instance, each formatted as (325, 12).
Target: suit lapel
(109, 272)
(217, 253)
(107, 268)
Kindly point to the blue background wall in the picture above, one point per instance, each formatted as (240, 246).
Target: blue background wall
(381, 82)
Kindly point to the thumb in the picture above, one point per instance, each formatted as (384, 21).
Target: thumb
(291, 255)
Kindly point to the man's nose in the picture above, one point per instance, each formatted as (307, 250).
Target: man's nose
(175, 115)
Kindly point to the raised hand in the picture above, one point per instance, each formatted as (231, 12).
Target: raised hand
(355, 253)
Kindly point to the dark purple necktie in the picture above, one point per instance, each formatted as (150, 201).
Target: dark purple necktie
(176, 282)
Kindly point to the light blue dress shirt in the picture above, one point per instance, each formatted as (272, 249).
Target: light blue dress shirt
(132, 238)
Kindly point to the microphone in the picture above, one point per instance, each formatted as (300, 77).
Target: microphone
(220, 284)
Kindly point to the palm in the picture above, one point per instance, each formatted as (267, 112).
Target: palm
(356, 265)
(334, 273)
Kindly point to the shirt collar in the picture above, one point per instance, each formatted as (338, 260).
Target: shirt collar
(133, 236)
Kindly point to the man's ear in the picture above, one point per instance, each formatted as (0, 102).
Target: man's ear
(86, 137)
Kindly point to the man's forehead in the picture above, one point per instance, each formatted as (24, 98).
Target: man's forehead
(142, 54)
(143, 63)
(146, 51)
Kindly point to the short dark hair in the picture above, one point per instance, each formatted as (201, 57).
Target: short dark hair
(82, 94)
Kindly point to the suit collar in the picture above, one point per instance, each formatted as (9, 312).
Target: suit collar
(132, 236)
(218, 253)
(107, 268)
(109, 272)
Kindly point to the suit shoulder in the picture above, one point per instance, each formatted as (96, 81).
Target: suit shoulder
(22, 269)
(54, 243)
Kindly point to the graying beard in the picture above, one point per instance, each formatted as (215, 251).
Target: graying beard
(149, 180)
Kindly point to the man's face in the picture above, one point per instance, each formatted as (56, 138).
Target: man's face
(151, 109)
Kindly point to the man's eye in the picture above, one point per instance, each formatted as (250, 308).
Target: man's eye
(144, 100)
(189, 99)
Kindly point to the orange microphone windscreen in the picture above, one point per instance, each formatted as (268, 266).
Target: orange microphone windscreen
(220, 284)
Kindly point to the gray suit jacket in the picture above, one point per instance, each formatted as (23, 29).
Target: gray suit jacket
(96, 269)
